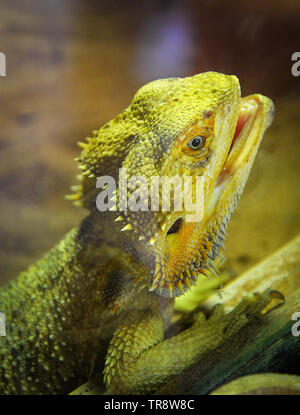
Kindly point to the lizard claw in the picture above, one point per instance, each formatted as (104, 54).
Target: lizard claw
(250, 308)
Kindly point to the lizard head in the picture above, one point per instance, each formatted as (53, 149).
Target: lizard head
(180, 155)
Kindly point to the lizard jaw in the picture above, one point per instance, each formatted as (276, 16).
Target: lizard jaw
(255, 116)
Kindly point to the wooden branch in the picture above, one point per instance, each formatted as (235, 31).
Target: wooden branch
(266, 345)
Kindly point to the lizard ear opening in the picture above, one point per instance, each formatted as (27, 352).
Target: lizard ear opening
(175, 227)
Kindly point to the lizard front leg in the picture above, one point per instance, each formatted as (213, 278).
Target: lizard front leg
(139, 359)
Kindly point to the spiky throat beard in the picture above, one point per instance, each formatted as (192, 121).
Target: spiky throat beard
(194, 246)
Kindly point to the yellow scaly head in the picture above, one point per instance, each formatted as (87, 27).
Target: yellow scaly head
(192, 127)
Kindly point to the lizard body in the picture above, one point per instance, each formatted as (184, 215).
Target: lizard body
(102, 299)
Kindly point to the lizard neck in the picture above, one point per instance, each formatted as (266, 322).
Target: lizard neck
(84, 278)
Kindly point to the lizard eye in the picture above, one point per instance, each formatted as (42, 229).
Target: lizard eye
(197, 142)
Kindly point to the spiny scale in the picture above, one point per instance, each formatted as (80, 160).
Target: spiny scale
(127, 227)
(81, 144)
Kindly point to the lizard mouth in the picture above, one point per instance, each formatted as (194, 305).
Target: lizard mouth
(242, 140)
(255, 115)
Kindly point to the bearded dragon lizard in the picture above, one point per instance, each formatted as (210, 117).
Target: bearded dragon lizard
(102, 299)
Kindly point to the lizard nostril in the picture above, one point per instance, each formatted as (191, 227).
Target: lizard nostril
(175, 227)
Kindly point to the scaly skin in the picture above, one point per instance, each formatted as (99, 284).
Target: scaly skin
(103, 297)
